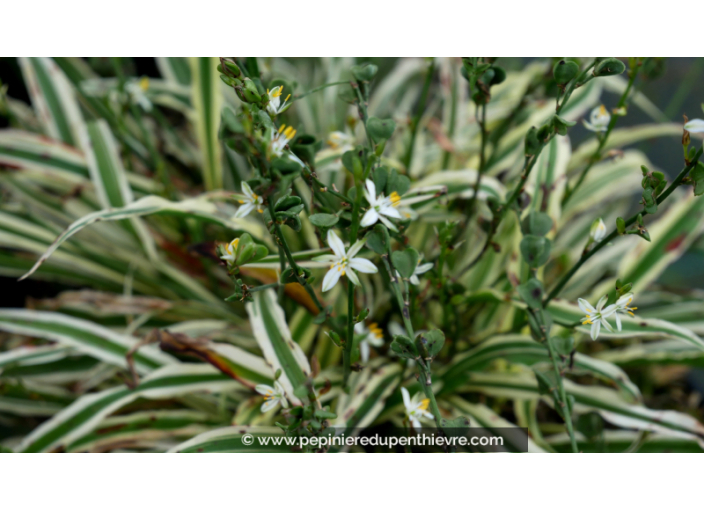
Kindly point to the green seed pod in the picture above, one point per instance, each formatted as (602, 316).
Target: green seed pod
(365, 72)
(564, 71)
(609, 67)
(233, 68)
(620, 225)
(250, 92)
(230, 82)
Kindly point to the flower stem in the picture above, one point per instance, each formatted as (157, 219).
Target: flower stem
(602, 141)
(566, 412)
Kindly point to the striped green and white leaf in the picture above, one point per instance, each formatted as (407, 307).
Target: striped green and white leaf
(481, 416)
(632, 327)
(269, 327)
(547, 180)
(229, 440)
(661, 353)
(207, 101)
(624, 136)
(199, 208)
(617, 441)
(607, 402)
(53, 99)
(369, 390)
(81, 417)
(144, 429)
(83, 336)
(461, 183)
(21, 397)
(524, 350)
(175, 69)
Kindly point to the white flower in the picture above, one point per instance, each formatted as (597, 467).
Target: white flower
(622, 307)
(599, 120)
(372, 336)
(339, 140)
(380, 207)
(275, 107)
(343, 263)
(280, 138)
(272, 396)
(596, 316)
(250, 200)
(230, 251)
(597, 230)
(415, 407)
(695, 126)
(420, 269)
(137, 92)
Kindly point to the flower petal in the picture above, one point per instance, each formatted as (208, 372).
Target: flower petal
(602, 302)
(388, 224)
(354, 249)
(414, 280)
(585, 306)
(423, 268)
(326, 258)
(264, 389)
(371, 189)
(352, 276)
(363, 265)
(247, 190)
(695, 126)
(244, 210)
(336, 244)
(595, 330)
(269, 404)
(618, 321)
(406, 398)
(391, 212)
(370, 218)
(364, 351)
(331, 279)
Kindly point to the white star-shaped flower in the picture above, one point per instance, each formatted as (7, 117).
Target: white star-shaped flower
(622, 307)
(372, 336)
(380, 207)
(137, 91)
(275, 107)
(416, 408)
(272, 396)
(249, 201)
(599, 120)
(596, 316)
(230, 251)
(344, 263)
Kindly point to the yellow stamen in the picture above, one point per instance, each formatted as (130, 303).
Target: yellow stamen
(283, 126)
(144, 83)
(424, 404)
(634, 308)
(587, 322)
(631, 314)
(589, 311)
(287, 98)
(602, 110)
(241, 201)
(277, 91)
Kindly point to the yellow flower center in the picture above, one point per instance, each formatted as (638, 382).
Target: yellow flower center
(395, 198)
(144, 83)
(424, 404)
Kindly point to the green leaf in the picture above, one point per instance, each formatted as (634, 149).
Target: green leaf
(323, 220)
(535, 250)
(532, 293)
(380, 129)
(207, 102)
(431, 343)
(537, 223)
(405, 261)
(84, 336)
(404, 347)
(230, 440)
(271, 331)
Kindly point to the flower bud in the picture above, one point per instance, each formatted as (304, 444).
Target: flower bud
(609, 67)
(597, 230)
(564, 71)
